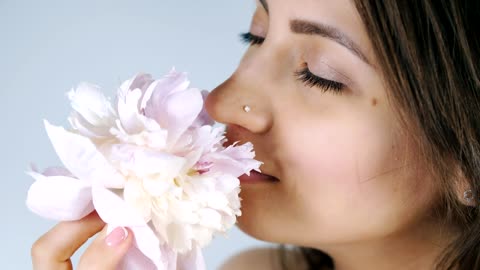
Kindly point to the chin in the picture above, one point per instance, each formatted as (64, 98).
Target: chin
(258, 220)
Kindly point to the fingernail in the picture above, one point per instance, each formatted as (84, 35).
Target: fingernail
(116, 236)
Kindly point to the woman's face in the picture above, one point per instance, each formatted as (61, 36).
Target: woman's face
(321, 123)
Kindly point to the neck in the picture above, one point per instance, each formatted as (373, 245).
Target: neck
(416, 248)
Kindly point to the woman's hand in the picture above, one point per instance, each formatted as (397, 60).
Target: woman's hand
(54, 249)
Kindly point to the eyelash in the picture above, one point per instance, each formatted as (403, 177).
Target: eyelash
(249, 38)
(312, 80)
(304, 75)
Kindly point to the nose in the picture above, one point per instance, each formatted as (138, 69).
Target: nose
(227, 103)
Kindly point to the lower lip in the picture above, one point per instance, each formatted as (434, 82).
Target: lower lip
(256, 177)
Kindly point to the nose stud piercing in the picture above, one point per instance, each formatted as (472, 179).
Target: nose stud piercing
(468, 195)
(247, 108)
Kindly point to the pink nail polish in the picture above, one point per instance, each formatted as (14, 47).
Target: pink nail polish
(116, 236)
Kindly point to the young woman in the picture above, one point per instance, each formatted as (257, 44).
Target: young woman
(365, 114)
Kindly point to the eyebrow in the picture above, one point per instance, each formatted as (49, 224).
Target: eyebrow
(327, 31)
(264, 4)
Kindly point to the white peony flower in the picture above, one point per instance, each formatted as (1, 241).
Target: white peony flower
(154, 163)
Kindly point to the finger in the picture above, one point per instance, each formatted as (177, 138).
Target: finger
(54, 249)
(107, 251)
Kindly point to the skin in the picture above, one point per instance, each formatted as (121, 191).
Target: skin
(350, 182)
(54, 249)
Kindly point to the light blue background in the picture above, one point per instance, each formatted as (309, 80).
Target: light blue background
(47, 47)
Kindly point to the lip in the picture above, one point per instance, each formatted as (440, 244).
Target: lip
(256, 177)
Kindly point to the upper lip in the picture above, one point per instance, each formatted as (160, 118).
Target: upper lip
(265, 171)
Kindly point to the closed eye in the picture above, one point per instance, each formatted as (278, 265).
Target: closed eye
(249, 38)
(312, 80)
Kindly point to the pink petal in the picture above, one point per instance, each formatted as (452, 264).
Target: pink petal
(192, 260)
(129, 96)
(182, 109)
(135, 259)
(81, 158)
(57, 171)
(203, 118)
(148, 243)
(234, 160)
(147, 251)
(59, 197)
(155, 97)
(140, 81)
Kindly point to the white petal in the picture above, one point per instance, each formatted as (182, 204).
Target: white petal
(136, 196)
(128, 111)
(226, 183)
(192, 158)
(192, 260)
(59, 197)
(92, 105)
(148, 94)
(158, 186)
(79, 124)
(179, 237)
(210, 218)
(80, 156)
(159, 221)
(218, 201)
(114, 210)
(164, 165)
(203, 236)
(183, 212)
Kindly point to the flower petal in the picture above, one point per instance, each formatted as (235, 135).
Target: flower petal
(59, 197)
(128, 113)
(166, 166)
(235, 160)
(180, 237)
(153, 102)
(92, 105)
(135, 259)
(140, 81)
(114, 210)
(80, 156)
(135, 195)
(148, 244)
(203, 118)
(146, 252)
(57, 171)
(192, 260)
(86, 129)
(182, 109)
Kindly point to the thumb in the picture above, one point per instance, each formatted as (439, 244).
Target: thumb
(107, 251)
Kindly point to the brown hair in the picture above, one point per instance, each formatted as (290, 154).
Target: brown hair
(428, 51)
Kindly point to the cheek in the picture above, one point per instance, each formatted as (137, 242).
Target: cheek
(343, 155)
(350, 179)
